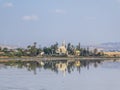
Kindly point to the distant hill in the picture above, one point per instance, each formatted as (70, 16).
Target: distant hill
(7, 46)
(110, 46)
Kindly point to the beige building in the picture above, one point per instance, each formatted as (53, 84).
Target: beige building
(112, 54)
(62, 49)
(77, 52)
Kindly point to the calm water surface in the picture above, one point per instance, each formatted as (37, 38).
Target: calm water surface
(60, 75)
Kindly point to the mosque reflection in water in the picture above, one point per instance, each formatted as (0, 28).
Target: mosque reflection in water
(66, 66)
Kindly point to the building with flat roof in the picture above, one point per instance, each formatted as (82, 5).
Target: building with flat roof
(112, 54)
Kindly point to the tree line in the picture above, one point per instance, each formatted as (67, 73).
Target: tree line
(33, 50)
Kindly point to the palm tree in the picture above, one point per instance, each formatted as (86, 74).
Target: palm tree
(0, 49)
(32, 49)
(34, 44)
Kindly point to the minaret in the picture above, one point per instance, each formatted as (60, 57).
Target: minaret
(63, 43)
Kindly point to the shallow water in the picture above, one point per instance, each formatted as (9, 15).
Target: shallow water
(60, 75)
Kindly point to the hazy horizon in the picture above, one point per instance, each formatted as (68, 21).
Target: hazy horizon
(48, 21)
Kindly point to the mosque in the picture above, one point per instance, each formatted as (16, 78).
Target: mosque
(62, 50)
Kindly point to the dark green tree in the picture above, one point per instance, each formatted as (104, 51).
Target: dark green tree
(70, 49)
(78, 47)
(5, 50)
(0, 49)
(47, 50)
(54, 48)
(32, 49)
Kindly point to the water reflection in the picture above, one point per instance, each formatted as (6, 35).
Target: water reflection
(94, 75)
(55, 66)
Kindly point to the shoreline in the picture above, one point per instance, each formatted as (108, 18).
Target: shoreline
(56, 58)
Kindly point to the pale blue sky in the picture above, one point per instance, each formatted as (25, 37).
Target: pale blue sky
(46, 21)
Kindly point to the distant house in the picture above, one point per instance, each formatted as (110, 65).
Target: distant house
(40, 54)
(111, 54)
(2, 53)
